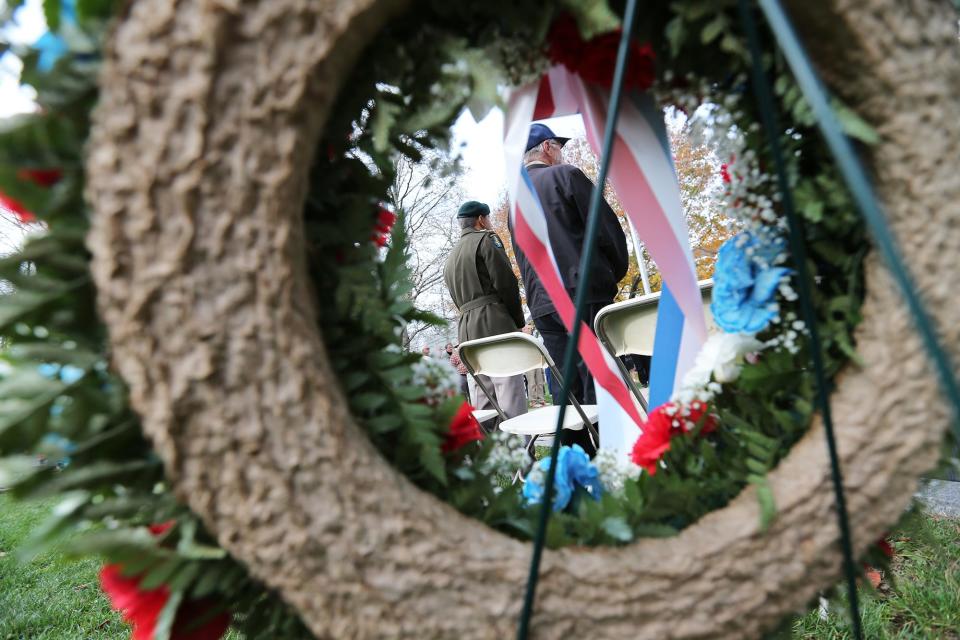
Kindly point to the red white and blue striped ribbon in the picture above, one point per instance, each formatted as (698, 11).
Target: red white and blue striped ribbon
(642, 173)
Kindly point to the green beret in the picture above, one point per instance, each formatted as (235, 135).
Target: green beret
(473, 209)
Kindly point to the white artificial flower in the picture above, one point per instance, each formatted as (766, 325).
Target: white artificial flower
(614, 470)
(721, 357)
(729, 352)
(438, 377)
(507, 456)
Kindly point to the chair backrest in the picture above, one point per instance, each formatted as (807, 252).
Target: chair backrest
(507, 354)
(629, 327)
(510, 354)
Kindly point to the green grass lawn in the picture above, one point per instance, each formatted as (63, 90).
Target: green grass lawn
(49, 597)
(922, 603)
(53, 598)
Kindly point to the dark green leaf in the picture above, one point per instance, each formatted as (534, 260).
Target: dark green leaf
(160, 574)
(51, 11)
(713, 29)
(167, 615)
(367, 401)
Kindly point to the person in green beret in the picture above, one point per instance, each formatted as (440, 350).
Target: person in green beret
(482, 284)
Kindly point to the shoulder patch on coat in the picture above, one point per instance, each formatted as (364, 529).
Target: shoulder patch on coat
(496, 240)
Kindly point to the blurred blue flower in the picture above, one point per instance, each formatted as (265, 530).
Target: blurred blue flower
(57, 447)
(51, 45)
(583, 471)
(744, 283)
(574, 468)
(51, 48)
(48, 370)
(70, 374)
(67, 373)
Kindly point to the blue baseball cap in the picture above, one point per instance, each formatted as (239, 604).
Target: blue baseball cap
(539, 133)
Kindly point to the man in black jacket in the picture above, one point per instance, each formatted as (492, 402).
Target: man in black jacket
(565, 192)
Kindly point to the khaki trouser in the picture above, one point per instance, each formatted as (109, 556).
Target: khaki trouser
(508, 392)
(535, 386)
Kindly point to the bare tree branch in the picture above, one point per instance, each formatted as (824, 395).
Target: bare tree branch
(429, 194)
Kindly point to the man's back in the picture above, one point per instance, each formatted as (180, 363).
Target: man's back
(564, 193)
(482, 285)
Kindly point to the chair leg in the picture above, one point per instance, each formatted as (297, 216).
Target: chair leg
(530, 446)
(521, 474)
(594, 436)
(490, 426)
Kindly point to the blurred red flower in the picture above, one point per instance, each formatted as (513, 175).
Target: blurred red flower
(464, 429)
(564, 44)
(142, 608)
(384, 224)
(885, 547)
(725, 173)
(596, 59)
(40, 177)
(21, 213)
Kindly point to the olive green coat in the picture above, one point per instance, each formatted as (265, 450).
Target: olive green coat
(482, 284)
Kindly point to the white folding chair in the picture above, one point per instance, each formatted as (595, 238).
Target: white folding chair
(511, 354)
(629, 328)
(483, 416)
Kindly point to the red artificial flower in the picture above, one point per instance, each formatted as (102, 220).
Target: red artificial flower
(655, 439)
(41, 177)
(663, 424)
(464, 429)
(160, 529)
(697, 410)
(725, 173)
(596, 59)
(384, 224)
(885, 547)
(142, 608)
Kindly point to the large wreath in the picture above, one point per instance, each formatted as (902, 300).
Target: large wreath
(257, 334)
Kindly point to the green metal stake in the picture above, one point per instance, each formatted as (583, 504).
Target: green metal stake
(586, 261)
(768, 114)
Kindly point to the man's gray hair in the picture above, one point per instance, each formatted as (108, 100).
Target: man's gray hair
(467, 223)
(533, 154)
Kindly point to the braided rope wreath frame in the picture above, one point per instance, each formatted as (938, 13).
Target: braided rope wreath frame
(197, 169)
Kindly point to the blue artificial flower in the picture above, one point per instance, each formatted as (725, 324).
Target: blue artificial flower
(574, 468)
(583, 471)
(744, 283)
